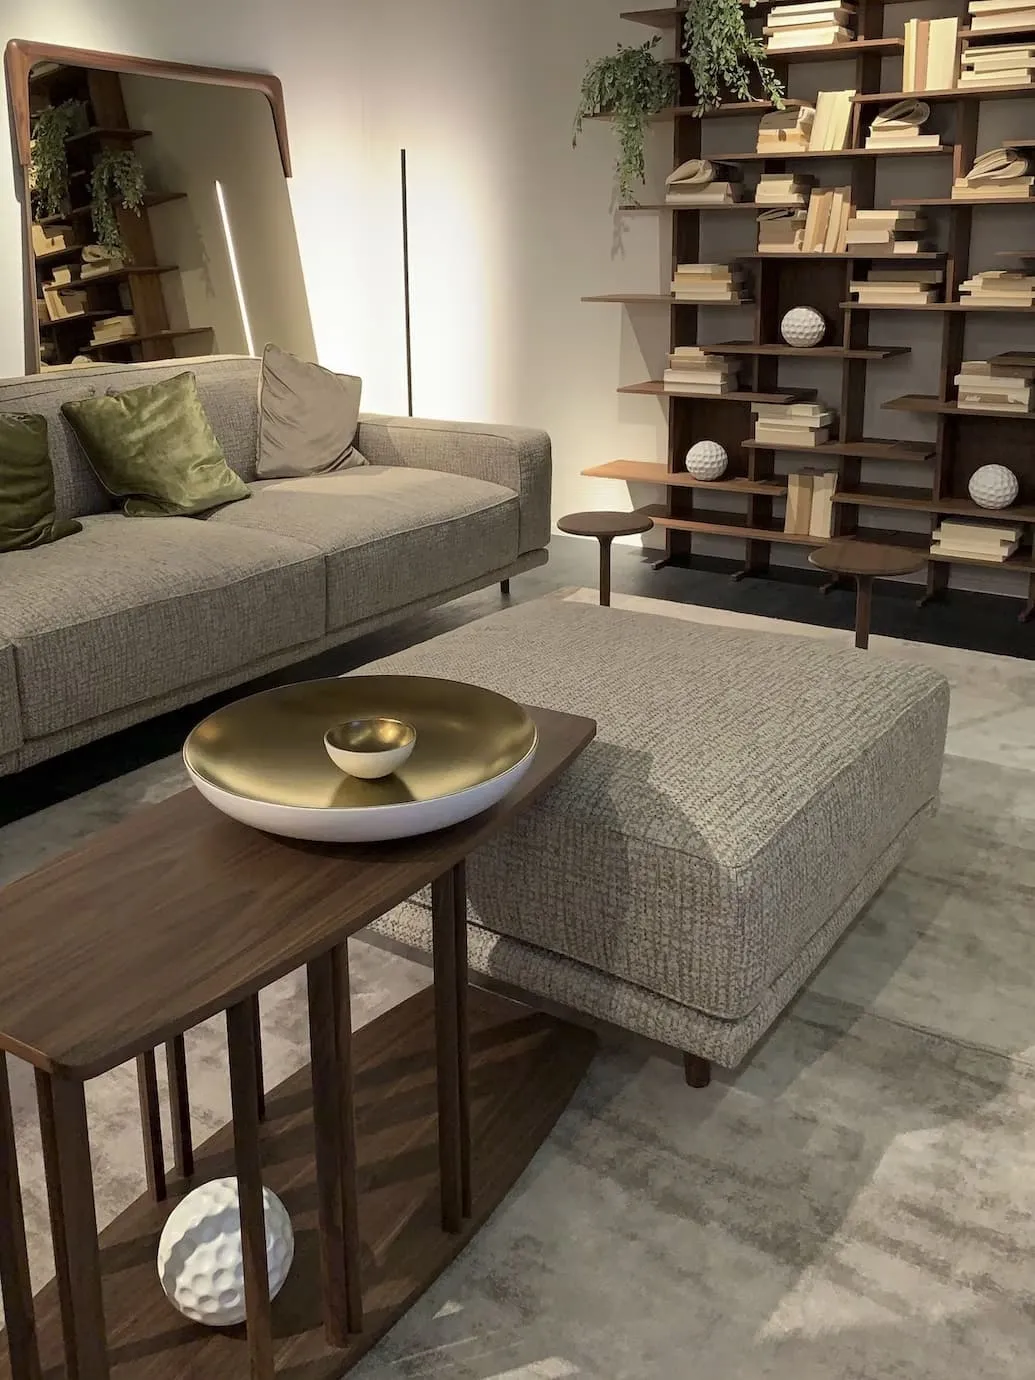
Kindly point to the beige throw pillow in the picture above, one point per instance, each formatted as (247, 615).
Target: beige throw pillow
(308, 418)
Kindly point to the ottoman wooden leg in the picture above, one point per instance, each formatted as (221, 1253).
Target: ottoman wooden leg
(698, 1071)
(505, 588)
(863, 605)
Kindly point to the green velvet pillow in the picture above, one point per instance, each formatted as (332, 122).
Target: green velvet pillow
(27, 485)
(154, 448)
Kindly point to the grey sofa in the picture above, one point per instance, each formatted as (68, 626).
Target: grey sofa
(135, 616)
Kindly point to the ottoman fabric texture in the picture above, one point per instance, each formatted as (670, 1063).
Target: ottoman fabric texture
(742, 790)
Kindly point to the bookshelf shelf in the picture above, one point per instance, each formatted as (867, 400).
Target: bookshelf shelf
(149, 336)
(639, 299)
(151, 199)
(656, 388)
(920, 402)
(893, 483)
(896, 452)
(746, 347)
(115, 136)
(131, 271)
(646, 472)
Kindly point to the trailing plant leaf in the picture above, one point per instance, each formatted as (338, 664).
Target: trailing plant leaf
(48, 159)
(630, 87)
(117, 182)
(724, 58)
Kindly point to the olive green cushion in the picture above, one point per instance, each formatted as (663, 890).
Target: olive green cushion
(27, 484)
(154, 447)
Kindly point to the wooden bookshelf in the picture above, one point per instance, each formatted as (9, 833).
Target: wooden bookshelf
(938, 468)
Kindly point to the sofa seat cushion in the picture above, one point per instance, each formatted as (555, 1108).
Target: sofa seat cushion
(741, 789)
(133, 608)
(390, 535)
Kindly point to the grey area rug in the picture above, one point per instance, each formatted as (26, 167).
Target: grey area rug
(857, 1202)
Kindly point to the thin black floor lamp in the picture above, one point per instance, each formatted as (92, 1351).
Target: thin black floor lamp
(406, 282)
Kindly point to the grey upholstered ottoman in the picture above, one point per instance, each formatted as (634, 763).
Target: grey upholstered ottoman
(746, 795)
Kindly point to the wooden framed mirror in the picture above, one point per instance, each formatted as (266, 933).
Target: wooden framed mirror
(157, 219)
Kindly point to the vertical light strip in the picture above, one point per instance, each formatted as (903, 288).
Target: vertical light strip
(232, 253)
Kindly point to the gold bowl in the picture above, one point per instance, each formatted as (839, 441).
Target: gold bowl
(370, 748)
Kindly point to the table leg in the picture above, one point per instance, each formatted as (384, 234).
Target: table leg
(605, 571)
(863, 603)
(449, 924)
(337, 1190)
(179, 1107)
(73, 1224)
(244, 1083)
(19, 1315)
(151, 1124)
(260, 1084)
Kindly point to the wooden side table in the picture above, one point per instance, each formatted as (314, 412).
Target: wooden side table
(866, 561)
(605, 527)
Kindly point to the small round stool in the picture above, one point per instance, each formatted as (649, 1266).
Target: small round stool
(866, 561)
(605, 527)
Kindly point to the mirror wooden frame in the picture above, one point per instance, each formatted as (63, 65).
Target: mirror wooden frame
(22, 55)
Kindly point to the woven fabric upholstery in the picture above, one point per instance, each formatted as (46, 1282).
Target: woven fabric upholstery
(227, 386)
(598, 994)
(10, 711)
(516, 457)
(741, 787)
(134, 607)
(390, 535)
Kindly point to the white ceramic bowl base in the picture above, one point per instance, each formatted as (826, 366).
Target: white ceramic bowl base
(381, 822)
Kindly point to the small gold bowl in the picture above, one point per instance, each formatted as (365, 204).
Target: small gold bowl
(370, 748)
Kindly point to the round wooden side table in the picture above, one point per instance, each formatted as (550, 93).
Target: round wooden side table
(867, 561)
(605, 527)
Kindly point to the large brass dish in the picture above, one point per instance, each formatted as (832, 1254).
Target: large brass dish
(262, 759)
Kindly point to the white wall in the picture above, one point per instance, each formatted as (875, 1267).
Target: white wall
(509, 226)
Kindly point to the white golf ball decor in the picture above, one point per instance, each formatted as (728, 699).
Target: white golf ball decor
(803, 327)
(993, 486)
(200, 1260)
(706, 460)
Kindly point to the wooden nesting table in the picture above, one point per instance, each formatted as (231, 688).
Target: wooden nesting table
(388, 1151)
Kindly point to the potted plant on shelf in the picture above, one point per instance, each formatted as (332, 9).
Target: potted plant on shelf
(117, 183)
(725, 61)
(48, 160)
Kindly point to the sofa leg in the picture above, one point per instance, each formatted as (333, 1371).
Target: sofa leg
(698, 1071)
(505, 588)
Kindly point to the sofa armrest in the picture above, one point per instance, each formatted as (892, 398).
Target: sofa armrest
(517, 458)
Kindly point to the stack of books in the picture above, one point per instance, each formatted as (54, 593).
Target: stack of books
(700, 183)
(797, 425)
(994, 385)
(787, 131)
(826, 224)
(886, 232)
(892, 287)
(899, 126)
(691, 371)
(784, 189)
(708, 283)
(987, 16)
(45, 239)
(929, 55)
(999, 287)
(980, 541)
(113, 328)
(814, 25)
(97, 260)
(810, 503)
(781, 232)
(999, 174)
(833, 118)
(1002, 64)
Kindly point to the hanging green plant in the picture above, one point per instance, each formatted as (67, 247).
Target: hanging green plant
(630, 87)
(48, 159)
(724, 58)
(117, 182)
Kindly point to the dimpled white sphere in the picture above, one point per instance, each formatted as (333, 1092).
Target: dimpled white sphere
(803, 327)
(706, 460)
(993, 486)
(200, 1262)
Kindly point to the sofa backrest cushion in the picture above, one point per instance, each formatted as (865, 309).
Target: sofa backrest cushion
(227, 385)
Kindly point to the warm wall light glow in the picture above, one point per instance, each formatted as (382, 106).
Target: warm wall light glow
(232, 254)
